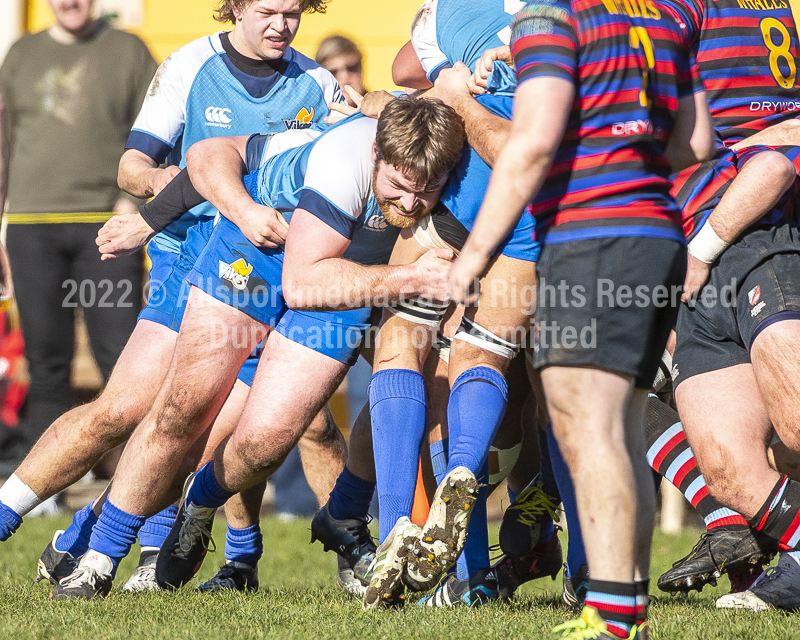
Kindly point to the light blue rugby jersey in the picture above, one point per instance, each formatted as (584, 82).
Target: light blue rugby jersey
(464, 192)
(331, 178)
(448, 31)
(198, 93)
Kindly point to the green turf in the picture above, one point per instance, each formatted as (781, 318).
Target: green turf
(299, 599)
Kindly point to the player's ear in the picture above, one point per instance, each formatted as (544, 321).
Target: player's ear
(374, 151)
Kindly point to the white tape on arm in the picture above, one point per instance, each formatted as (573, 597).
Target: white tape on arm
(707, 246)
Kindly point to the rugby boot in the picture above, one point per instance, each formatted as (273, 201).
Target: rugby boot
(53, 564)
(777, 588)
(143, 577)
(480, 589)
(591, 626)
(522, 522)
(91, 578)
(575, 587)
(717, 552)
(233, 576)
(442, 538)
(385, 575)
(351, 540)
(544, 560)
(346, 579)
(182, 553)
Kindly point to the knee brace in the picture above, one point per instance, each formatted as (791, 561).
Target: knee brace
(441, 345)
(664, 372)
(419, 310)
(476, 335)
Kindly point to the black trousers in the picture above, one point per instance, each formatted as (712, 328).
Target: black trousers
(56, 269)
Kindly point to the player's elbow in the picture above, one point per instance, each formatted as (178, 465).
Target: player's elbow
(703, 145)
(130, 168)
(198, 151)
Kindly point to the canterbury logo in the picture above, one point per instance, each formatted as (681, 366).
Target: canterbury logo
(218, 117)
(302, 120)
(377, 223)
(237, 273)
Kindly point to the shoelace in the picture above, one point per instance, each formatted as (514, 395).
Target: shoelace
(362, 535)
(192, 529)
(80, 575)
(577, 630)
(704, 539)
(145, 573)
(533, 503)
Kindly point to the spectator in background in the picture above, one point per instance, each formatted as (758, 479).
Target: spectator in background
(68, 97)
(342, 57)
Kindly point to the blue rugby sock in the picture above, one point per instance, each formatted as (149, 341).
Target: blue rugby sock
(476, 547)
(398, 410)
(244, 545)
(546, 474)
(477, 405)
(576, 554)
(75, 540)
(9, 522)
(156, 528)
(206, 491)
(439, 459)
(115, 533)
(351, 496)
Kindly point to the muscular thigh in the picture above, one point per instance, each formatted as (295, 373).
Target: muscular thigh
(727, 425)
(291, 386)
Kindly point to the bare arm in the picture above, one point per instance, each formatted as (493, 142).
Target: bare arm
(757, 188)
(785, 133)
(315, 276)
(692, 138)
(216, 167)
(486, 132)
(542, 108)
(140, 176)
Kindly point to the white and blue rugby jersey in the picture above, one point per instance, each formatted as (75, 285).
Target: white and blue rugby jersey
(331, 178)
(448, 31)
(199, 93)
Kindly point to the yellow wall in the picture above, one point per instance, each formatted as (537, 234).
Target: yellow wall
(379, 27)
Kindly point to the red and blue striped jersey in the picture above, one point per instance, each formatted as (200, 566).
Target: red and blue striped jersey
(630, 64)
(745, 50)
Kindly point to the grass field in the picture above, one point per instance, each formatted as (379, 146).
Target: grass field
(299, 599)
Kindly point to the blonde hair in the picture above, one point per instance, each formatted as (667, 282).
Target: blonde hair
(224, 11)
(423, 137)
(333, 46)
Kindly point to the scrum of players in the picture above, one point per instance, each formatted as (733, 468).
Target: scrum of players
(568, 254)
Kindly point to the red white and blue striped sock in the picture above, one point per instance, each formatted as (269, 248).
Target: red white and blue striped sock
(616, 604)
(669, 453)
(642, 599)
(779, 517)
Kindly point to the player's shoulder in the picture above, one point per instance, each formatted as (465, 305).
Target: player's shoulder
(194, 54)
(306, 65)
(348, 141)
